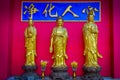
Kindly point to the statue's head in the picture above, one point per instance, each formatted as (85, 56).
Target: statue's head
(59, 21)
(30, 22)
(91, 14)
(90, 18)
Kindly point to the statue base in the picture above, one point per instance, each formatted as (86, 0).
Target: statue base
(92, 73)
(77, 78)
(60, 74)
(29, 73)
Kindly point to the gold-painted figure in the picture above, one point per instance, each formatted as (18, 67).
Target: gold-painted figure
(30, 37)
(58, 44)
(30, 44)
(90, 34)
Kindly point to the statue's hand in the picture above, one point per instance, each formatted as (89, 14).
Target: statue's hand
(85, 52)
(35, 53)
(66, 57)
(51, 49)
(99, 55)
(53, 57)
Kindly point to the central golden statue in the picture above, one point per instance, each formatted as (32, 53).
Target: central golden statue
(90, 33)
(58, 44)
(30, 44)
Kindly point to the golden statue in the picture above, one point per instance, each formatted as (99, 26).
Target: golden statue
(58, 44)
(30, 44)
(90, 33)
(30, 37)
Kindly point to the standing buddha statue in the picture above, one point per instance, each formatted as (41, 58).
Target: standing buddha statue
(90, 34)
(30, 44)
(58, 44)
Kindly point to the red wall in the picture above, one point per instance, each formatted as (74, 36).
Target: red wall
(4, 39)
(116, 29)
(12, 51)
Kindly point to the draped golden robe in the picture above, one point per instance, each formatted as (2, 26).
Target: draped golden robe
(30, 45)
(58, 43)
(90, 33)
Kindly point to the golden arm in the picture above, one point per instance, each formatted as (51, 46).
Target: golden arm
(51, 42)
(65, 43)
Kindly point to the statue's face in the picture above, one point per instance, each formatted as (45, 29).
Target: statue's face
(30, 22)
(91, 18)
(60, 22)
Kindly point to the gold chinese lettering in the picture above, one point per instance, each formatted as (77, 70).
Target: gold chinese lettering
(68, 10)
(50, 10)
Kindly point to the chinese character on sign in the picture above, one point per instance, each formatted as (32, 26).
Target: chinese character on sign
(49, 11)
(68, 10)
(90, 9)
(56, 15)
(31, 10)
